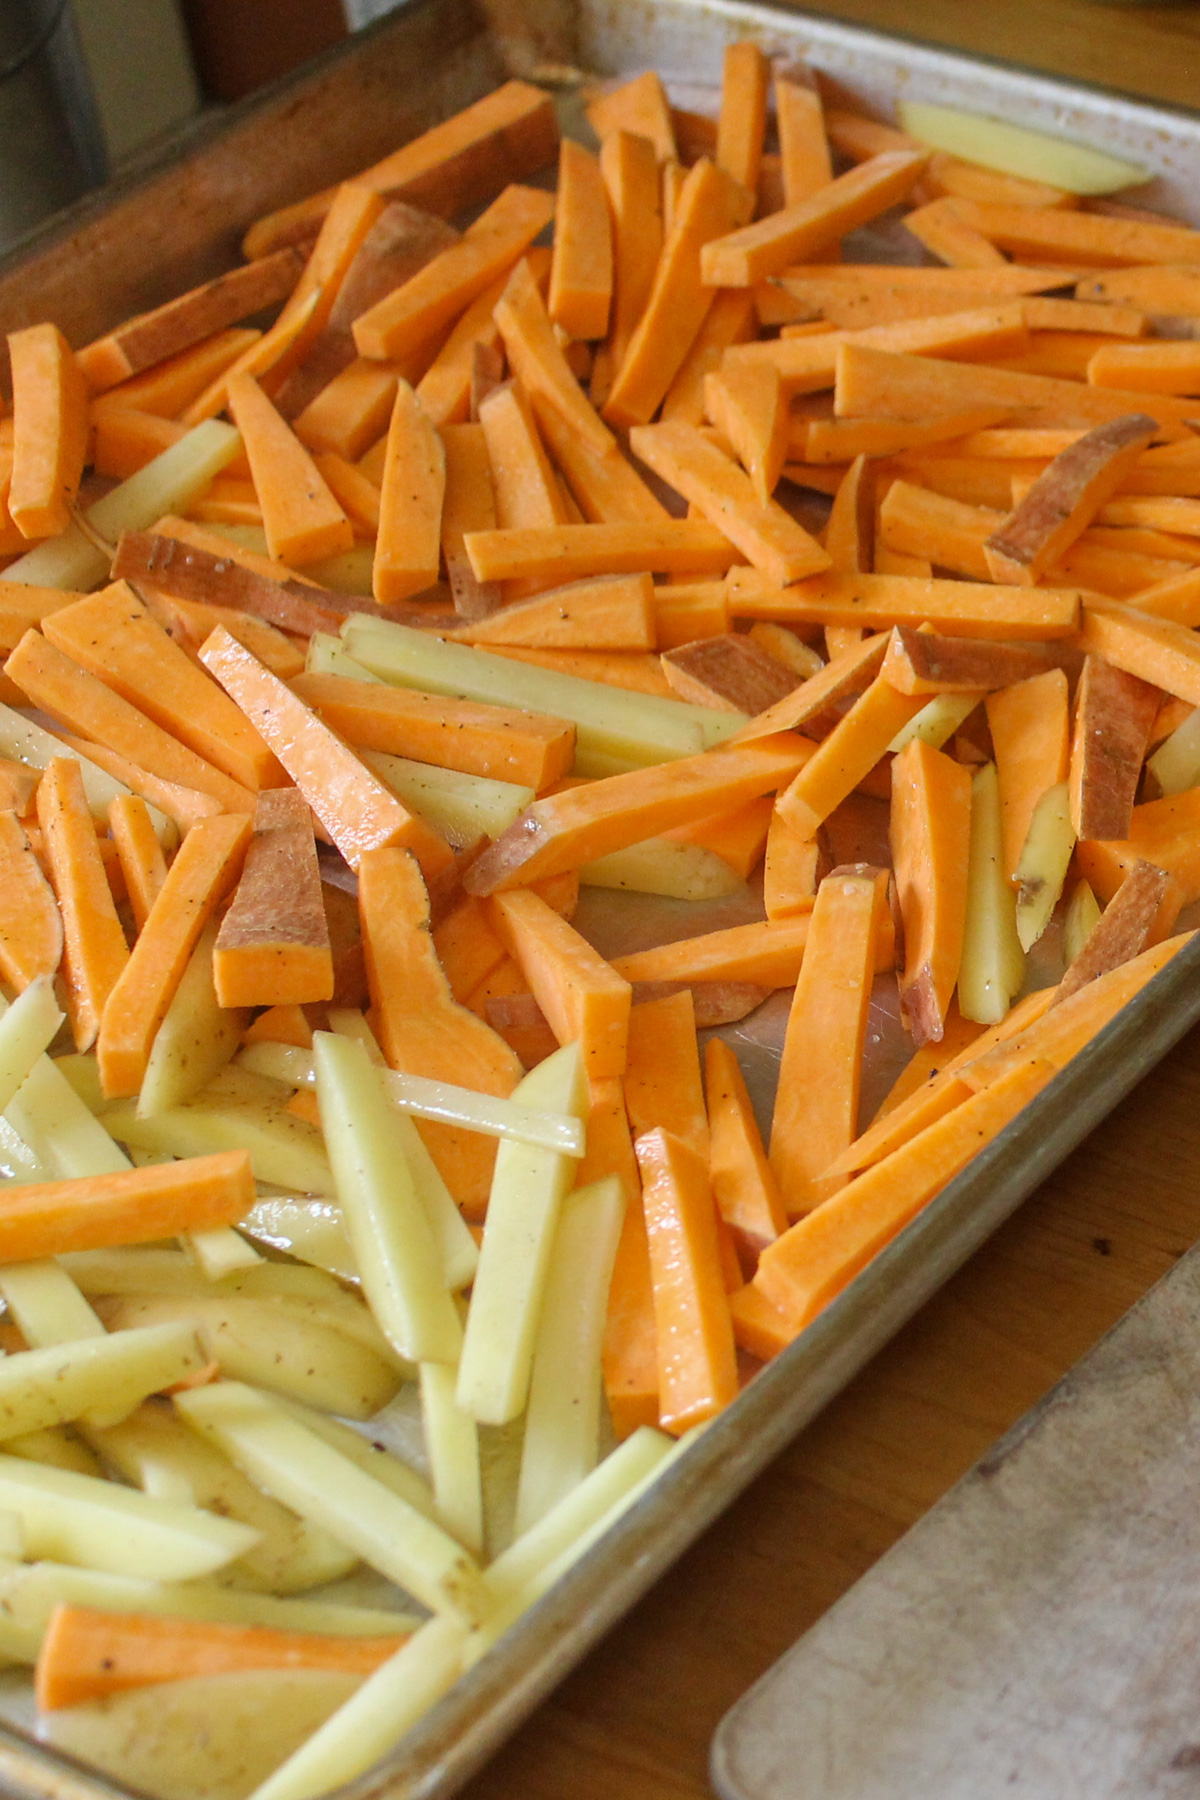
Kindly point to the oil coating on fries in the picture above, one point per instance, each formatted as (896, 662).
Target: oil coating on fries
(849, 611)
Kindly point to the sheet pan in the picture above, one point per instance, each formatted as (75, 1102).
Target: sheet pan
(176, 220)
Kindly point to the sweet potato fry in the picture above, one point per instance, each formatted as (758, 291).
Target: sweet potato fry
(768, 536)
(1132, 920)
(31, 933)
(498, 742)
(273, 945)
(816, 1107)
(772, 244)
(729, 671)
(94, 947)
(1114, 713)
(575, 827)
(1063, 501)
(151, 337)
(924, 662)
(355, 807)
(930, 837)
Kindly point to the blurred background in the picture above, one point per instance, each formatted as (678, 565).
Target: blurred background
(87, 87)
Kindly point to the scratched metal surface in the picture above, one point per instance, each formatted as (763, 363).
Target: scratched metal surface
(430, 59)
(1035, 1633)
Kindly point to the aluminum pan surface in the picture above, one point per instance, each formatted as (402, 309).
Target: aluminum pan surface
(685, 42)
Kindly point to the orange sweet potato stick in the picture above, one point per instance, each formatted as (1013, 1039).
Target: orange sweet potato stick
(151, 337)
(767, 954)
(493, 741)
(351, 411)
(662, 1073)
(747, 402)
(539, 364)
(710, 202)
(87, 1654)
(742, 122)
(50, 430)
(816, 1106)
(630, 1353)
(581, 275)
(697, 1368)
(929, 1060)
(184, 806)
(467, 947)
(114, 637)
(768, 536)
(469, 504)
(280, 1025)
(56, 683)
(273, 945)
(31, 934)
(1130, 921)
(629, 167)
(606, 487)
(729, 320)
(445, 388)
(926, 662)
(577, 552)
(573, 828)
(1114, 713)
(878, 383)
(125, 440)
(803, 144)
(1069, 1022)
(166, 389)
(743, 257)
(808, 364)
(1155, 650)
(459, 163)
(1065, 499)
(434, 297)
(638, 106)
(1086, 238)
(615, 612)
(1031, 737)
(744, 1184)
(846, 756)
(411, 492)
(103, 1211)
(581, 995)
(355, 807)
(943, 231)
(730, 672)
(94, 948)
(930, 835)
(143, 864)
(791, 871)
(206, 868)
(945, 1084)
(821, 1254)
(964, 608)
(527, 491)
(301, 518)
(259, 359)
(421, 1029)
(400, 241)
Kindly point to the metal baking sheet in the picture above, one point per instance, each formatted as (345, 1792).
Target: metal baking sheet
(187, 210)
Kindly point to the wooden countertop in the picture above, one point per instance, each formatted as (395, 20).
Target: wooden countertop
(636, 1718)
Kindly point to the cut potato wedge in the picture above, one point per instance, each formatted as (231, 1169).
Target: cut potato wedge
(1016, 150)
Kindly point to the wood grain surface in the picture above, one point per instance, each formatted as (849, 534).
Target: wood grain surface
(635, 1720)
